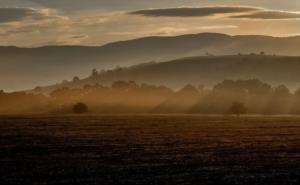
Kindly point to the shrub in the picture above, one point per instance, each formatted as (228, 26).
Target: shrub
(80, 108)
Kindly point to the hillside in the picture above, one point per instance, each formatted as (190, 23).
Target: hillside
(50, 64)
(203, 70)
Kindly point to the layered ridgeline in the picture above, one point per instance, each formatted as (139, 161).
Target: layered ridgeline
(203, 70)
(234, 97)
(22, 68)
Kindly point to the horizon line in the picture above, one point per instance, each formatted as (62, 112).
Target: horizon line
(145, 37)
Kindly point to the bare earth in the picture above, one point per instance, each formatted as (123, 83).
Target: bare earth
(144, 150)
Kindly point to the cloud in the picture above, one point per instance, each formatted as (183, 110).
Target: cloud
(269, 15)
(171, 30)
(194, 12)
(234, 12)
(42, 25)
(213, 27)
(19, 14)
(79, 36)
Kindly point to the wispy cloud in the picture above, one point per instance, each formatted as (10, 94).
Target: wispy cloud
(79, 36)
(173, 30)
(214, 27)
(194, 12)
(17, 14)
(234, 12)
(270, 15)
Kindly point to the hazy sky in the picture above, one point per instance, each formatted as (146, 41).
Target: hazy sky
(95, 22)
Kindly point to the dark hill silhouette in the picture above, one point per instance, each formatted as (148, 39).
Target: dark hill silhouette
(49, 64)
(206, 70)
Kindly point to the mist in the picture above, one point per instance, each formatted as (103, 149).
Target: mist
(253, 96)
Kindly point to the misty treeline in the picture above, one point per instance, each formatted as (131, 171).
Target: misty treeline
(252, 96)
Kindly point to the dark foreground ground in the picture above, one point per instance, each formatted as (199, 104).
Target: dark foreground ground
(146, 150)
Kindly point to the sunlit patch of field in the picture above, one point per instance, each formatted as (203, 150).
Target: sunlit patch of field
(151, 149)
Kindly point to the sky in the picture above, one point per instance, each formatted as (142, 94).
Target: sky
(34, 23)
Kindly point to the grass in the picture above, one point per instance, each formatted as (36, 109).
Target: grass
(150, 149)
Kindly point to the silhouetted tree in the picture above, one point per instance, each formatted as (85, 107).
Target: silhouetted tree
(297, 93)
(94, 73)
(80, 108)
(237, 108)
(189, 89)
(280, 100)
(118, 69)
(296, 102)
(75, 79)
(38, 89)
(120, 85)
(282, 91)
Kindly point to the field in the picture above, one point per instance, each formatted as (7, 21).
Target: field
(161, 149)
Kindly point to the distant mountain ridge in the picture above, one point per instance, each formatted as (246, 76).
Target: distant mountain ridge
(50, 64)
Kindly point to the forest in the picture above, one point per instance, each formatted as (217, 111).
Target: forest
(228, 97)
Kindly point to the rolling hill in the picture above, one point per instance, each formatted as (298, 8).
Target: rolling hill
(202, 70)
(50, 64)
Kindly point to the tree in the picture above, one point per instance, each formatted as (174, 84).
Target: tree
(120, 85)
(76, 79)
(297, 93)
(282, 91)
(189, 89)
(280, 101)
(118, 69)
(237, 108)
(80, 108)
(38, 89)
(94, 73)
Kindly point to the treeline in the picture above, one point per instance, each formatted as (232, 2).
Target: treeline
(227, 97)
